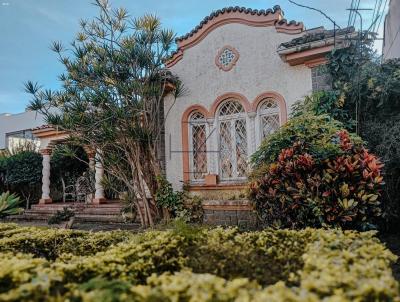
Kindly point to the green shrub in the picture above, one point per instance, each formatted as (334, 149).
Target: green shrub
(21, 173)
(51, 243)
(316, 130)
(322, 176)
(61, 216)
(179, 265)
(167, 198)
(9, 205)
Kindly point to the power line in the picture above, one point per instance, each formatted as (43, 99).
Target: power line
(376, 12)
(350, 13)
(317, 10)
(382, 14)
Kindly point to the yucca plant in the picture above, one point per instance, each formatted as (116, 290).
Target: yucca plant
(9, 204)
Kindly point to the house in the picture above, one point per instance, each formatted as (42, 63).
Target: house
(242, 70)
(391, 38)
(15, 129)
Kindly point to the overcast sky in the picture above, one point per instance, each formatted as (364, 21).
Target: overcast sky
(27, 28)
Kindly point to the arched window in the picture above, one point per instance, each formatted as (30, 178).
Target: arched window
(198, 137)
(268, 117)
(232, 136)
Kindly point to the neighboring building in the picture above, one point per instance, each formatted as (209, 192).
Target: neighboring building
(242, 70)
(391, 38)
(15, 129)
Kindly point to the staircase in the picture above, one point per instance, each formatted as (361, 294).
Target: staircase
(107, 213)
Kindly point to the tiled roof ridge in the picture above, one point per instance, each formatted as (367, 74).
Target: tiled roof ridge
(291, 22)
(317, 34)
(230, 9)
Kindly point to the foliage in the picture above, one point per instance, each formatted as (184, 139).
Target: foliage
(325, 177)
(167, 198)
(192, 211)
(111, 97)
(9, 204)
(316, 130)
(61, 216)
(21, 173)
(283, 265)
(68, 162)
(52, 243)
(329, 103)
(370, 99)
(179, 204)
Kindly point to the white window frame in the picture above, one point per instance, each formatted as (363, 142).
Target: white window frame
(231, 119)
(259, 127)
(191, 148)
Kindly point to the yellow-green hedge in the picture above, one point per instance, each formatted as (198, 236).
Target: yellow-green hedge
(204, 265)
(51, 243)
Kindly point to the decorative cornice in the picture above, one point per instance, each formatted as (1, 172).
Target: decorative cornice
(240, 15)
(245, 14)
(291, 28)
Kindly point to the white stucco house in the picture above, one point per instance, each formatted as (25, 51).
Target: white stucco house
(242, 70)
(391, 37)
(15, 129)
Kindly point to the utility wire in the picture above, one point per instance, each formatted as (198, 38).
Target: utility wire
(376, 11)
(350, 13)
(317, 10)
(382, 14)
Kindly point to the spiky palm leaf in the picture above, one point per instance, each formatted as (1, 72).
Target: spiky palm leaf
(9, 204)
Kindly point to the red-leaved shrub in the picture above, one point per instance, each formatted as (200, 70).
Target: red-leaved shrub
(299, 189)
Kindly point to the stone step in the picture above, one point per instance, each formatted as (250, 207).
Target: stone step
(77, 206)
(78, 217)
(99, 218)
(111, 211)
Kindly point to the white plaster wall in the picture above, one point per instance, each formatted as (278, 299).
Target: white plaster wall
(259, 69)
(391, 40)
(17, 122)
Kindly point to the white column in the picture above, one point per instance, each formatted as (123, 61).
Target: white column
(99, 174)
(92, 168)
(46, 153)
(251, 134)
(91, 163)
(212, 146)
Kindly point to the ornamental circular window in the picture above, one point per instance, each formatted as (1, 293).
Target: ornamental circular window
(226, 58)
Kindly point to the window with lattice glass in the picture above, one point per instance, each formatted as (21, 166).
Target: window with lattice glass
(226, 58)
(198, 138)
(232, 140)
(269, 116)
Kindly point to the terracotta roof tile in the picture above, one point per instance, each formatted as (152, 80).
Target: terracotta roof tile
(317, 34)
(230, 9)
(42, 127)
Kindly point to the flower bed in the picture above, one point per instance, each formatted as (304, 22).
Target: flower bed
(185, 264)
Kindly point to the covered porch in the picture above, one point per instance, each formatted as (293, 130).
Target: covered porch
(49, 137)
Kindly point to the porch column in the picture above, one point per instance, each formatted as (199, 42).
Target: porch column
(92, 162)
(46, 153)
(99, 174)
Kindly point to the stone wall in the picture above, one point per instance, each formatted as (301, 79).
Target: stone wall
(229, 213)
(321, 79)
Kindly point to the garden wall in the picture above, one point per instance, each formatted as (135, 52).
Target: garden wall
(229, 213)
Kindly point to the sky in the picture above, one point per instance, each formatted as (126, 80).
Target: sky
(28, 27)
